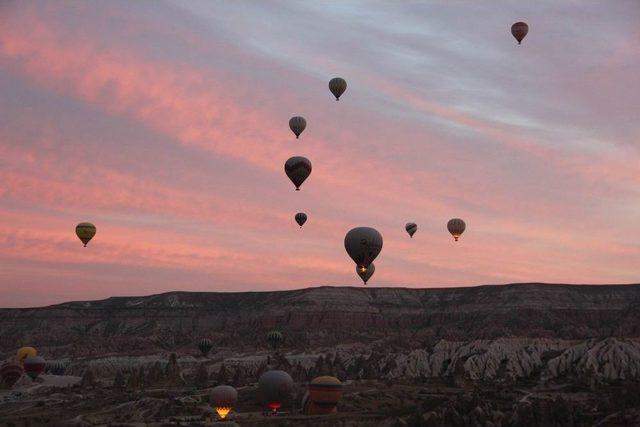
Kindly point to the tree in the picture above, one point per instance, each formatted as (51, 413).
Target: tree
(202, 376)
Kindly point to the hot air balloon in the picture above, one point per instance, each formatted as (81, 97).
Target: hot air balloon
(274, 389)
(297, 169)
(275, 338)
(411, 228)
(301, 218)
(456, 227)
(322, 396)
(24, 352)
(34, 366)
(85, 232)
(365, 273)
(55, 367)
(205, 345)
(363, 244)
(337, 86)
(223, 399)
(297, 125)
(519, 30)
(10, 373)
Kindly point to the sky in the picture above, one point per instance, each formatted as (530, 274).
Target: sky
(165, 123)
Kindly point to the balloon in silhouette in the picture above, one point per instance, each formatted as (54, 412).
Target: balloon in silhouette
(274, 389)
(10, 373)
(205, 345)
(297, 169)
(363, 244)
(456, 227)
(411, 228)
(34, 366)
(322, 396)
(519, 31)
(297, 125)
(365, 273)
(85, 232)
(223, 399)
(275, 338)
(24, 352)
(337, 86)
(301, 218)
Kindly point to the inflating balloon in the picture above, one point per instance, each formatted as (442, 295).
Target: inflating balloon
(297, 169)
(34, 366)
(10, 373)
(24, 352)
(223, 399)
(519, 30)
(322, 396)
(55, 367)
(274, 389)
(297, 125)
(85, 232)
(365, 273)
(205, 345)
(363, 244)
(411, 228)
(301, 218)
(456, 227)
(337, 86)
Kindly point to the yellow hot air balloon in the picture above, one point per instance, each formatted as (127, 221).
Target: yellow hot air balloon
(24, 352)
(85, 232)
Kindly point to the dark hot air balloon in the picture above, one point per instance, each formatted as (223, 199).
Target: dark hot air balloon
(205, 345)
(223, 399)
(363, 244)
(275, 338)
(34, 366)
(365, 273)
(519, 31)
(274, 389)
(55, 367)
(297, 169)
(10, 373)
(411, 228)
(456, 227)
(297, 125)
(301, 218)
(85, 232)
(322, 396)
(337, 86)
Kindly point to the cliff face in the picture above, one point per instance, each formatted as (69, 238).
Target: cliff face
(398, 318)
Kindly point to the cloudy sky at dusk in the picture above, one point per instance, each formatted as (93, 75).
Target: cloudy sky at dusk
(166, 125)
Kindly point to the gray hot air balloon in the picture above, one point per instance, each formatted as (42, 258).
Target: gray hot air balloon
(365, 273)
(274, 389)
(297, 169)
(519, 30)
(337, 86)
(297, 125)
(223, 399)
(85, 232)
(363, 244)
(456, 227)
(411, 228)
(301, 218)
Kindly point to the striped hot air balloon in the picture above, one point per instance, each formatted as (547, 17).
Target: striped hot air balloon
(223, 399)
(322, 396)
(456, 227)
(297, 125)
(337, 86)
(85, 232)
(301, 218)
(411, 228)
(10, 373)
(274, 338)
(34, 366)
(274, 389)
(205, 345)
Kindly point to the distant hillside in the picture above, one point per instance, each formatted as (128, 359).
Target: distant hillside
(325, 316)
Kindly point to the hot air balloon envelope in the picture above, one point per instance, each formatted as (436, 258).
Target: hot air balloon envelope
(85, 232)
(297, 125)
(274, 388)
(34, 366)
(365, 273)
(411, 228)
(298, 170)
(337, 86)
(519, 30)
(456, 227)
(10, 373)
(223, 399)
(363, 244)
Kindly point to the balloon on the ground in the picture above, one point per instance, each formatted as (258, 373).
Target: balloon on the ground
(274, 338)
(223, 399)
(519, 30)
(365, 273)
(337, 86)
(297, 169)
(301, 218)
(34, 366)
(363, 244)
(205, 345)
(456, 227)
(55, 367)
(10, 373)
(411, 228)
(274, 389)
(24, 352)
(85, 232)
(323, 395)
(297, 125)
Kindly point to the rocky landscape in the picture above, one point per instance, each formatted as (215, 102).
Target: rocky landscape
(525, 354)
